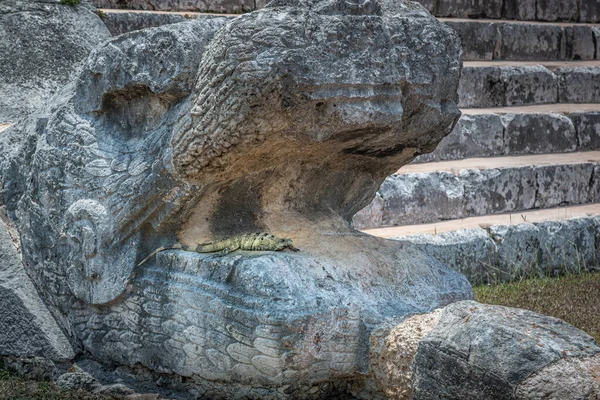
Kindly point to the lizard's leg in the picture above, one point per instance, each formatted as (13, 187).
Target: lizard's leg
(223, 252)
(292, 248)
(227, 250)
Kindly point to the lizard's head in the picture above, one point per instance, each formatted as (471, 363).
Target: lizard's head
(284, 243)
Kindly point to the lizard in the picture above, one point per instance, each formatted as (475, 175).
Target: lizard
(249, 241)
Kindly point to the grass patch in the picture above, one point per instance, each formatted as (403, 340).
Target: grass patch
(14, 387)
(70, 2)
(572, 298)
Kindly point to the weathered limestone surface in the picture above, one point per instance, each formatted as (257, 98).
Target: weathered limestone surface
(579, 43)
(555, 10)
(119, 23)
(503, 253)
(413, 198)
(565, 184)
(219, 6)
(487, 35)
(473, 136)
(524, 10)
(123, 22)
(588, 129)
(273, 121)
(481, 351)
(507, 86)
(589, 11)
(525, 42)
(33, 66)
(498, 190)
(419, 198)
(578, 85)
(539, 134)
(469, 8)
(563, 379)
(481, 87)
(484, 135)
(474, 351)
(27, 329)
(528, 85)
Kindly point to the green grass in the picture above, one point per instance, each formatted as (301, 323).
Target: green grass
(70, 2)
(572, 298)
(14, 387)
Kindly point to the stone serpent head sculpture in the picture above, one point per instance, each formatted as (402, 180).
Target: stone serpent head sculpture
(285, 120)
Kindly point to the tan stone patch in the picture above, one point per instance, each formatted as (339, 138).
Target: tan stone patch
(392, 354)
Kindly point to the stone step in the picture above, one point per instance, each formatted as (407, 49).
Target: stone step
(185, 6)
(430, 192)
(482, 39)
(123, 21)
(497, 248)
(552, 128)
(522, 41)
(484, 221)
(498, 85)
(525, 10)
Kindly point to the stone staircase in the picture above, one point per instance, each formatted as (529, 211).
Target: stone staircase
(514, 190)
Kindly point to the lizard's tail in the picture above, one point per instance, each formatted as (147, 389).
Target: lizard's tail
(174, 247)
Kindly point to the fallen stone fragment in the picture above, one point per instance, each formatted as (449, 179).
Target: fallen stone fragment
(475, 351)
(78, 379)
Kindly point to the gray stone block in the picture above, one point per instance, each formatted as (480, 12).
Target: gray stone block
(481, 87)
(470, 251)
(578, 85)
(522, 10)
(538, 134)
(479, 39)
(530, 42)
(587, 125)
(119, 23)
(579, 43)
(493, 191)
(479, 351)
(568, 246)
(473, 136)
(370, 216)
(563, 184)
(418, 198)
(589, 11)
(503, 253)
(219, 6)
(429, 5)
(596, 33)
(470, 9)
(595, 189)
(557, 10)
(27, 329)
(529, 85)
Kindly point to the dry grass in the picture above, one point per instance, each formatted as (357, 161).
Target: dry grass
(572, 298)
(13, 387)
